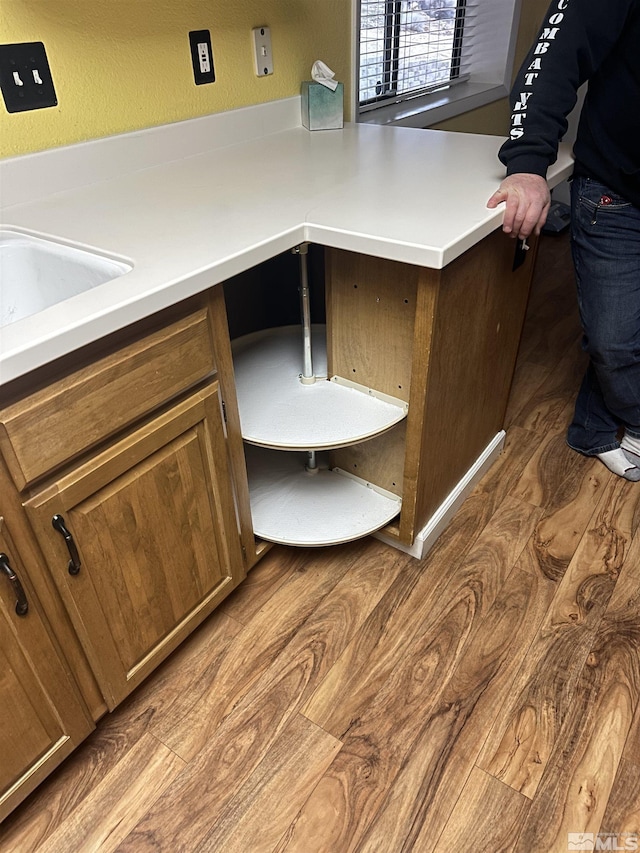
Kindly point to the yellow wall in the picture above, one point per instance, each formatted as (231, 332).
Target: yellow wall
(121, 65)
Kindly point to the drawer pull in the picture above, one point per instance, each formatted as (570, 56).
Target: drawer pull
(74, 562)
(22, 605)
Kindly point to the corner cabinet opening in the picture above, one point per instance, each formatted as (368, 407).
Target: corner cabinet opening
(312, 395)
(411, 371)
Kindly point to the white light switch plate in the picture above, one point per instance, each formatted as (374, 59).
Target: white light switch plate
(262, 54)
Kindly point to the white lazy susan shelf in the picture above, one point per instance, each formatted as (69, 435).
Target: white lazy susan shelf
(293, 506)
(282, 419)
(277, 410)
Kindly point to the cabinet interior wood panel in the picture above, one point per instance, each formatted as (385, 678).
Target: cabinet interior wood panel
(371, 305)
(379, 461)
(157, 537)
(35, 433)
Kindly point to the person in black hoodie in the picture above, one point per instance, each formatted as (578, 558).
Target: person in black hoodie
(595, 42)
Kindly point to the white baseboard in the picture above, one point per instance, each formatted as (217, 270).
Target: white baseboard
(441, 518)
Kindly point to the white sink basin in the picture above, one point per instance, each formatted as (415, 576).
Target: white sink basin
(36, 273)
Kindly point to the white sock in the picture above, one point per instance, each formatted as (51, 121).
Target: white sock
(631, 447)
(618, 462)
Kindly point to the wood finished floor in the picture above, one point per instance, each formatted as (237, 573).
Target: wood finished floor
(355, 699)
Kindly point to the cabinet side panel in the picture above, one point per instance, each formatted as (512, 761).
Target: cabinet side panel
(224, 360)
(480, 312)
(423, 332)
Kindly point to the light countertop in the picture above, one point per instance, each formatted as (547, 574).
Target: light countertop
(417, 196)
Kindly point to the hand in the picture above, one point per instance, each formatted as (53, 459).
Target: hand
(528, 200)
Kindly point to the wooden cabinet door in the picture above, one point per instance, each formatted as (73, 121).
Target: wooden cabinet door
(153, 523)
(42, 719)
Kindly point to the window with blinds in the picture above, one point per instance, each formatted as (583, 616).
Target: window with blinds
(410, 47)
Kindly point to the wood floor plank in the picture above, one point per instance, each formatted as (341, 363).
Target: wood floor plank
(194, 720)
(547, 409)
(117, 734)
(486, 818)
(380, 719)
(632, 747)
(625, 598)
(552, 327)
(625, 602)
(568, 487)
(498, 482)
(622, 815)
(453, 728)
(554, 470)
(581, 771)
(552, 321)
(188, 811)
(526, 730)
(260, 584)
(374, 748)
(528, 380)
(371, 648)
(576, 786)
(185, 814)
(106, 815)
(263, 809)
(370, 661)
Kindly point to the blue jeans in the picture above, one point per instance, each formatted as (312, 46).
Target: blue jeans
(605, 242)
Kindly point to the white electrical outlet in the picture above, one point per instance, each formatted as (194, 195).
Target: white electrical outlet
(262, 55)
(203, 57)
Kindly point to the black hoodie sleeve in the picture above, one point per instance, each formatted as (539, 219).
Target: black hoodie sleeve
(576, 38)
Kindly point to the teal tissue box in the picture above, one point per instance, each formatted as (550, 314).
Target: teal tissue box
(322, 109)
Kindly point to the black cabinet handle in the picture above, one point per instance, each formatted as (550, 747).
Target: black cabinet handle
(74, 563)
(22, 605)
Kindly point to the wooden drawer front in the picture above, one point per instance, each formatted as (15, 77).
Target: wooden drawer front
(68, 417)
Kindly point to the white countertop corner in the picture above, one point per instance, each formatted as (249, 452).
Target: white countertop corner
(417, 196)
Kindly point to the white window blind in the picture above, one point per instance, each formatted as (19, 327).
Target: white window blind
(408, 48)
